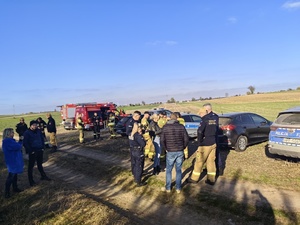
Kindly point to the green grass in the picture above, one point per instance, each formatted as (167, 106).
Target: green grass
(11, 120)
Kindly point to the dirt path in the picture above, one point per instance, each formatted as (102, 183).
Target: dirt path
(139, 208)
(246, 192)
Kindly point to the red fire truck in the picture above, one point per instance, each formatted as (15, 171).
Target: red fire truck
(70, 113)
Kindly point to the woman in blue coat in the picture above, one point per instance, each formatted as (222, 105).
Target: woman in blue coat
(13, 160)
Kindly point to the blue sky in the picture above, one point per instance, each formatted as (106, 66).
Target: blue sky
(129, 51)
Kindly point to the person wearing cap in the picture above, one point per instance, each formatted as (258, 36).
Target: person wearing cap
(21, 128)
(34, 146)
(206, 152)
(13, 159)
(51, 128)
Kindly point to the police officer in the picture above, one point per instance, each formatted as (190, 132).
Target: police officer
(96, 119)
(129, 126)
(206, 151)
(80, 127)
(137, 144)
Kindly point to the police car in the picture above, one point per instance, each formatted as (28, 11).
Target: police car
(192, 122)
(284, 136)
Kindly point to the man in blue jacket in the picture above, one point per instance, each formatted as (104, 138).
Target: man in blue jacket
(34, 146)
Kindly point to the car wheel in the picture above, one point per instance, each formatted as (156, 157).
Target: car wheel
(241, 143)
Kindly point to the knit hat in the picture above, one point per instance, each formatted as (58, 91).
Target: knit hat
(32, 122)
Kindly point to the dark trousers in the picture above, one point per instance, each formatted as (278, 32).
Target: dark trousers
(96, 130)
(38, 157)
(11, 180)
(137, 164)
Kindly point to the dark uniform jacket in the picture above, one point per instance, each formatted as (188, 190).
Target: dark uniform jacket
(41, 125)
(174, 136)
(138, 142)
(129, 126)
(207, 131)
(33, 141)
(96, 120)
(51, 127)
(21, 128)
(154, 129)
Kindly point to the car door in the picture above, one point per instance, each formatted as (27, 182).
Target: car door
(262, 127)
(246, 125)
(191, 124)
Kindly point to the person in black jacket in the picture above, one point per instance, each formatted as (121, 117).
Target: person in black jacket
(96, 119)
(34, 146)
(21, 128)
(155, 131)
(174, 138)
(137, 145)
(206, 152)
(41, 125)
(51, 128)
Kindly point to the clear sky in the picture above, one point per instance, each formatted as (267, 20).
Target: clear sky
(129, 51)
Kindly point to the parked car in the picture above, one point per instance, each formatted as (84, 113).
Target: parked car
(284, 137)
(159, 110)
(241, 129)
(192, 122)
(120, 127)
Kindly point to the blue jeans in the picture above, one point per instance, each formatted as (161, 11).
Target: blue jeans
(157, 147)
(177, 159)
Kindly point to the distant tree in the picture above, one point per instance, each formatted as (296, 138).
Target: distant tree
(172, 100)
(143, 103)
(193, 99)
(290, 89)
(251, 89)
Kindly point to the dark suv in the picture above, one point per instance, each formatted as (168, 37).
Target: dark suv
(240, 129)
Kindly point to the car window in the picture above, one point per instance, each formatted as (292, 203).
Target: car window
(258, 119)
(187, 118)
(196, 118)
(224, 121)
(246, 119)
(288, 119)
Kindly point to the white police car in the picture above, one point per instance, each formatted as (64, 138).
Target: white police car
(192, 122)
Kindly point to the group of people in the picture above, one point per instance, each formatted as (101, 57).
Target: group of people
(170, 135)
(98, 123)
(34, 140)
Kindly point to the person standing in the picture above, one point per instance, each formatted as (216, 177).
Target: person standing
(206, 152)
(21, 128)
(34, 146)
(215, 117)
(149, 148)
(174, 138)
(111, 125)
(51, 128)
(137, 154)
(13, 159)
(41, 125)
(80, 128)
(155, 132)
(96, 119)
(129, 126)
